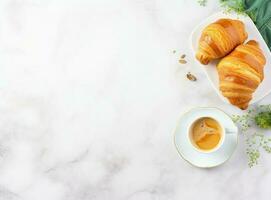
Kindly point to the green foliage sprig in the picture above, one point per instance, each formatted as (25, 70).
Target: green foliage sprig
(254, 144)
(233, 5)
(256, 119)
(228, 5)
(263, 120)
(202, 2)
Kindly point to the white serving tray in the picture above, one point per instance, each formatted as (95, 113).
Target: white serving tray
(265, 87)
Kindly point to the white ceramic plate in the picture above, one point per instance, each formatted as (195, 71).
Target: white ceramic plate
(265, 87)
(193, 156)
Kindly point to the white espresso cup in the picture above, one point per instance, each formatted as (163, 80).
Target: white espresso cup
(222, 135)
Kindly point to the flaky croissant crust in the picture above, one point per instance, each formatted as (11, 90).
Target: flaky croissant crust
(241, 72)
(220, 38)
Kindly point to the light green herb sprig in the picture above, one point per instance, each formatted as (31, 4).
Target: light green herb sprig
(255, 142)
(228, 5)
(202, 2)
(233, 6)
(245, 121)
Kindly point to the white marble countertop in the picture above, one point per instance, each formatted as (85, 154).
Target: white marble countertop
(90, 92)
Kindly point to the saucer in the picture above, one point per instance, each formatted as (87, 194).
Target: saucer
(200, 159)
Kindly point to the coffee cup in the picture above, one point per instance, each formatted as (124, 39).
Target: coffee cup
(212, 135)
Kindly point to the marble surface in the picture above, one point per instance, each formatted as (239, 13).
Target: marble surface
(90, 92)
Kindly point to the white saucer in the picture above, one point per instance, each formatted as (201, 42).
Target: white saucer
(199, 159)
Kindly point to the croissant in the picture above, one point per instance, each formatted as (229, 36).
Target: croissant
(220, 38)
(241, 72)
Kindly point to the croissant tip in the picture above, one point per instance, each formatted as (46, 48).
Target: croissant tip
(202, 58)
(253, 42)
(243, 107)
(241, 103)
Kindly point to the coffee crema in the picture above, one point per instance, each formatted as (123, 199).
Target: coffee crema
(206, 133)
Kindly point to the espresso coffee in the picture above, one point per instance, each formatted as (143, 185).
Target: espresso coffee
(206, 133)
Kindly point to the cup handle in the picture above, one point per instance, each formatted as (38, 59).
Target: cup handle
(228, 131)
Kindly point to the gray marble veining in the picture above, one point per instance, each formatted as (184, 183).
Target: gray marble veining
(90, 92)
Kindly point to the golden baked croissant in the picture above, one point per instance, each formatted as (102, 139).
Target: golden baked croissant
(220, 38)
(241, 72)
